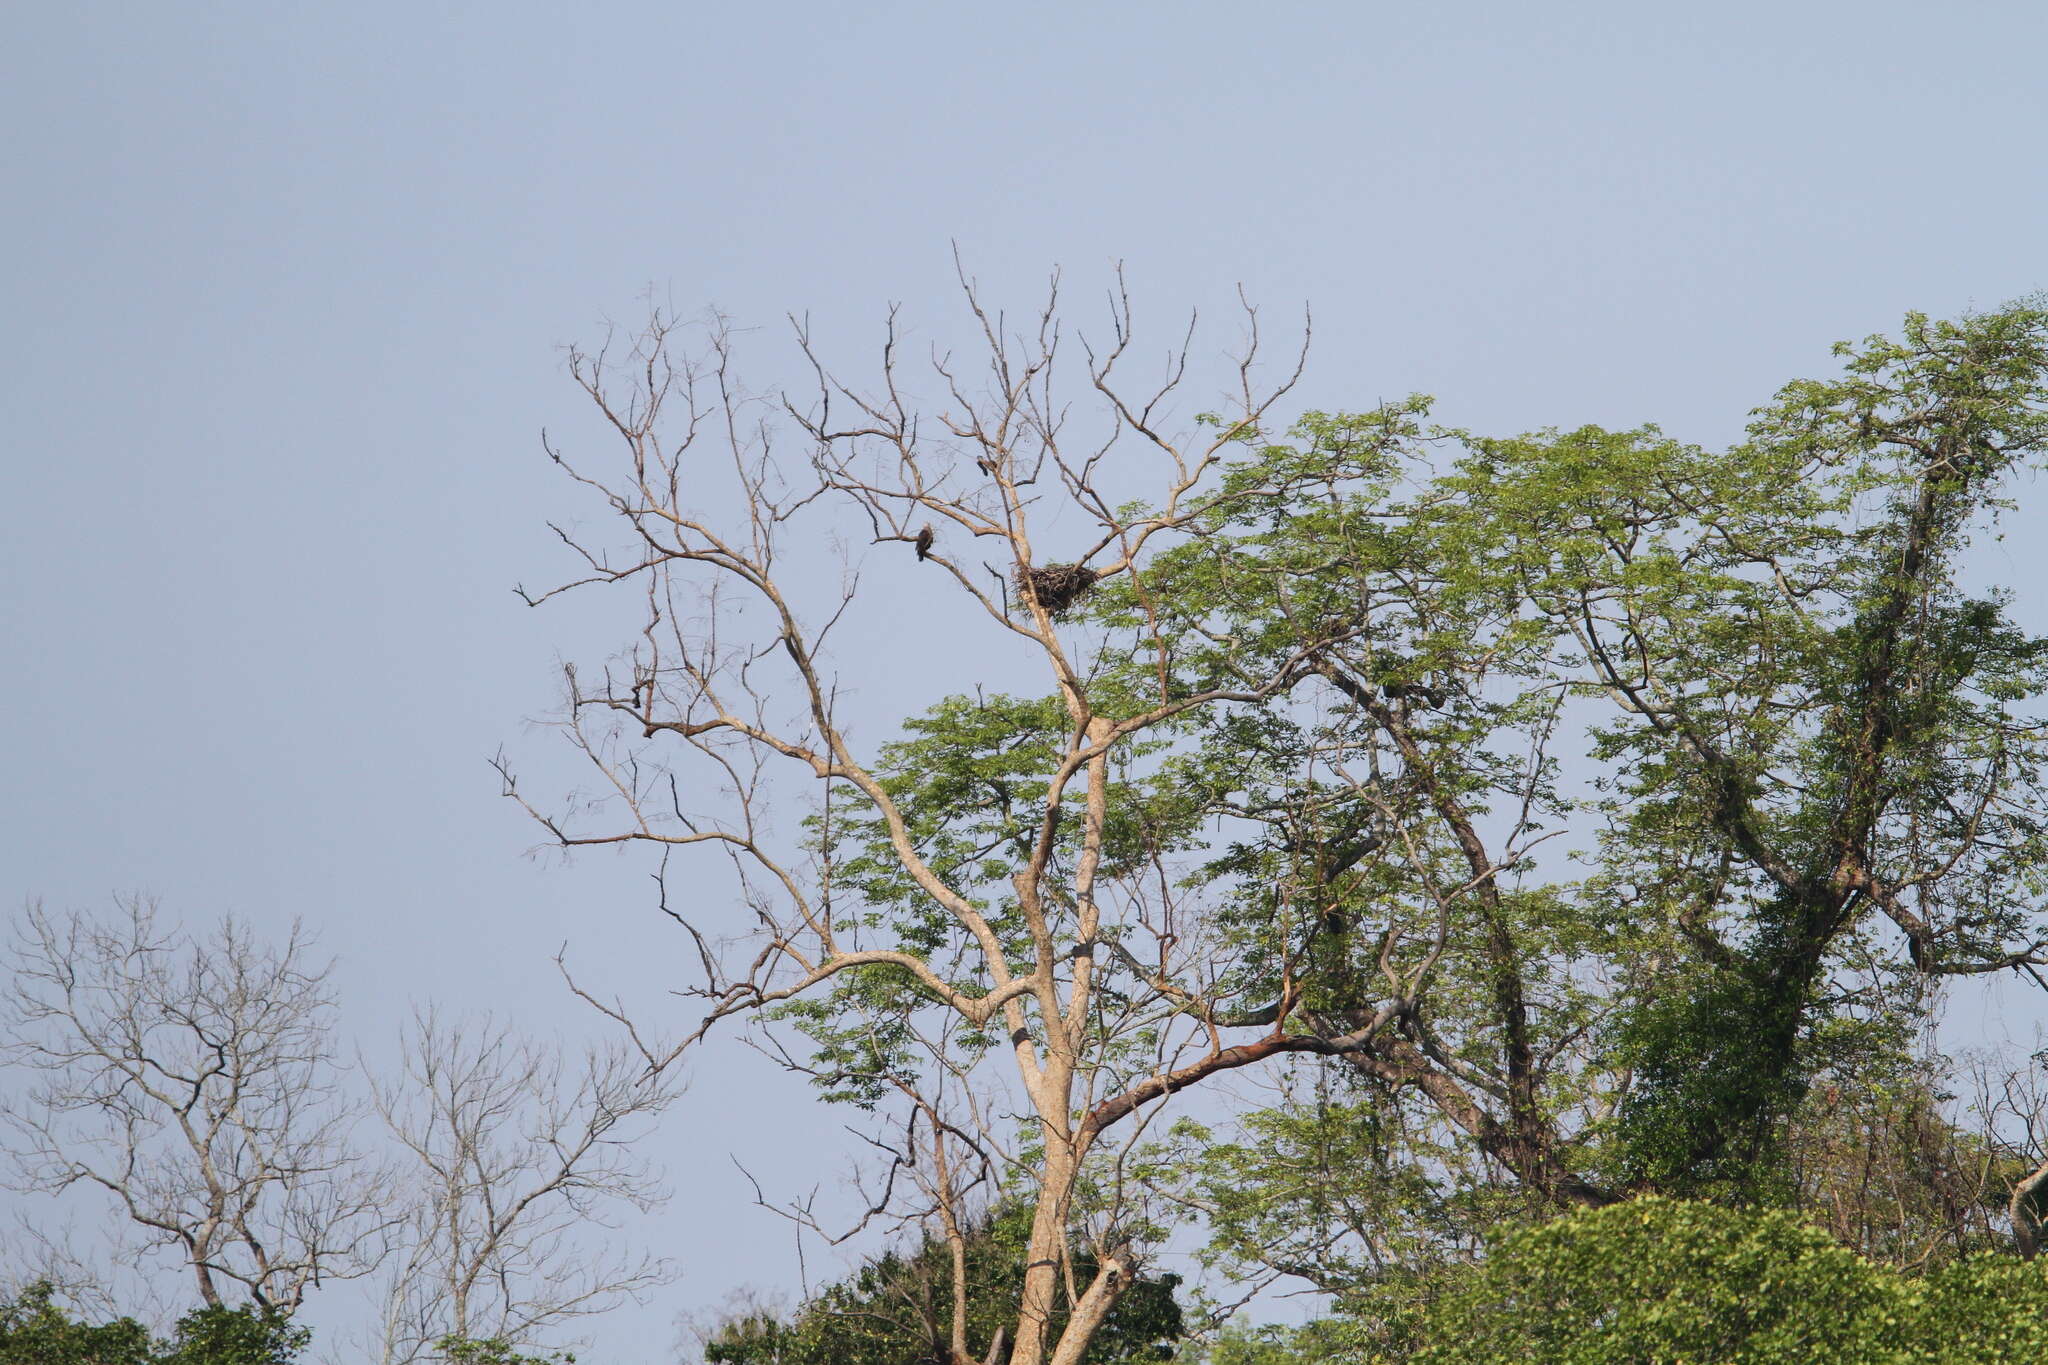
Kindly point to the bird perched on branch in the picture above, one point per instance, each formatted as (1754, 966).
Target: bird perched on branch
(1433, 696)
(924, 542)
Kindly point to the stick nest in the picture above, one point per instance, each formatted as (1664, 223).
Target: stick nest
(1056, 587)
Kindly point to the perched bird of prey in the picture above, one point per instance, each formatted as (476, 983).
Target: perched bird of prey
(924, 542)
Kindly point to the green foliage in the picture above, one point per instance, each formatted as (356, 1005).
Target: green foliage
(1819, 694)
(897, 1309)
(1340, 1192)
(970, 777)
(1658, 1279)
(237, 1336)
(1715, 1077)
(1817, 780)
(1983, 1309)
(1792, 696)
(1665, 1280)
(35, 1331)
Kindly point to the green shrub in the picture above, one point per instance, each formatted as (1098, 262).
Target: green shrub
(1658, 1281)
(1665, 1280)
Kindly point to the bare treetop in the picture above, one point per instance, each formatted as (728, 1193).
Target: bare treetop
(517, 1161)
(194, 1080)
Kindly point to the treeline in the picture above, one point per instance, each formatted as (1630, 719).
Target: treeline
(37, 1330)
(1546, 859)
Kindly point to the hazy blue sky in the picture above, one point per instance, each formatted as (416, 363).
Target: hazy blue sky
(285, 288)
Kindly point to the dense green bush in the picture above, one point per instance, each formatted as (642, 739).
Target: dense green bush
(1985, 1308)
(1666, 1282)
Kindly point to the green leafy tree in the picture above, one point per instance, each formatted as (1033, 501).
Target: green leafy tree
(1339, 1189)
(34, 1330)
(249, 1335)
(1816, 766)
(1815, 726)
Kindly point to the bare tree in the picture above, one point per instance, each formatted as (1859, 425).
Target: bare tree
(2009, 1110)
(514, 1157)
(194, 1080)
(1030, 922)
(935, 1168)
